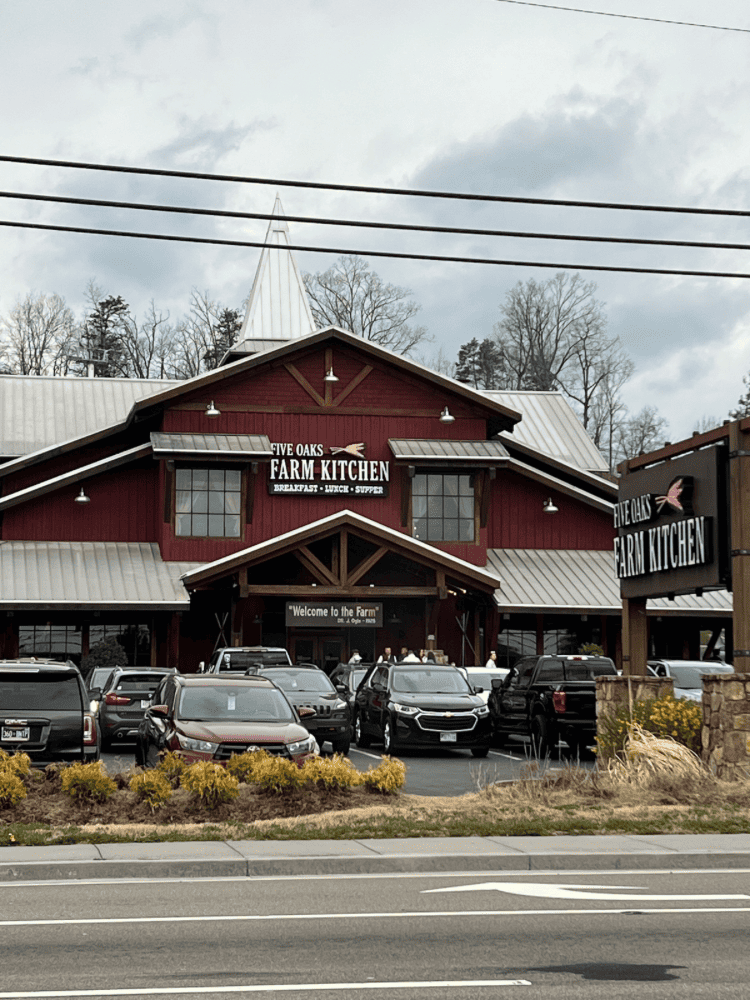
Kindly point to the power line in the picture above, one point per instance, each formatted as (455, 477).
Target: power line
(373, 253)
(398, 226)
(630, 17)
(369, 189)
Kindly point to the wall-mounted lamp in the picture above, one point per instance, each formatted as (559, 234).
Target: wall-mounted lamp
(329, 376)
(82, 498)
(446, 417)
(313, 585)
(549, 507)
(211, 410)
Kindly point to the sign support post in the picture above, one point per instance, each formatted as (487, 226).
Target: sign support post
(739, 498)
(634, 636)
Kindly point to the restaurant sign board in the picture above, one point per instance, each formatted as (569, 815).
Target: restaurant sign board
(310, 469)
(317, 614)
(672, 522)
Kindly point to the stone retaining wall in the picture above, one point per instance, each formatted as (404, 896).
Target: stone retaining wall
(725, 738)
(611, 692)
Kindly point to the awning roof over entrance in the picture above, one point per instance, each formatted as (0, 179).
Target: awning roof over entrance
(235, 447)
(114, 576)
(463, 452)
(581, 581)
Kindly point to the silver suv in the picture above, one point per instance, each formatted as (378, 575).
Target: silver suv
(240, 659)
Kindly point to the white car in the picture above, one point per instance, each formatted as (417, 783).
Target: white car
(686, 674)
(481, 677)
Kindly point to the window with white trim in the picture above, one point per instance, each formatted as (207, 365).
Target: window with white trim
(208, 502)
(443, 507)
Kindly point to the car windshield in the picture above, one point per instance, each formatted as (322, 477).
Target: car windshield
(690, 677)
(139, 682)
(355, 678)
(426, 681)
(24, 691)
(234, 704)
(300, 680)
(98, 676)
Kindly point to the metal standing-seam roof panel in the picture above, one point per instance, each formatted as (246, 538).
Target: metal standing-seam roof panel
(458, 451)
(39, 411)
(114, 575)
(234, 446)
(580, 581)
(550, 425)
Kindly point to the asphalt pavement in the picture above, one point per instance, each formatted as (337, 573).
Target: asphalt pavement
(249, 858)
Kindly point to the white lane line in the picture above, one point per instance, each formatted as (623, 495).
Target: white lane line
(242, 917)
(283, 988)
(507, 756)
(375, 756)
(568, 891)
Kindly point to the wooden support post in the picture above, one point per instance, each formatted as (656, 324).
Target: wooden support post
(238, 614)
(478, 661)
(634, 636)
(154, 645)
(605, 637)
(173, 641)
(739, 499)
(540, 635)
(491, 629)
(344, 557)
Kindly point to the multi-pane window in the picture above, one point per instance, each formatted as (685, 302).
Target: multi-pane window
(135, 640)
(57, 641)
(207, 502)
(443, 507)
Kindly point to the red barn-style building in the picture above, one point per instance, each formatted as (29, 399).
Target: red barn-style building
(316, 491)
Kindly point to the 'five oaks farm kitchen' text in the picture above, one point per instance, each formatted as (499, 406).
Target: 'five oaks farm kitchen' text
(307, 469)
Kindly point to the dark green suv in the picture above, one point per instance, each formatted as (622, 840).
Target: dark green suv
(45, 712)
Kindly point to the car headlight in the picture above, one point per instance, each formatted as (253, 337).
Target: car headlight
(302, 746)
(482, 710)
(404, 709)
(190, 744)
(340, 706)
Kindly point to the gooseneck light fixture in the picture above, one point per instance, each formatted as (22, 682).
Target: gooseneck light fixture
(82, 498)
(446, 417)
(211, 410)
(329, 376)
(549, 507)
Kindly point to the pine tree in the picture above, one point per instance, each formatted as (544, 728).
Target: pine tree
(101, 339)
(223, 335)
(743, 404)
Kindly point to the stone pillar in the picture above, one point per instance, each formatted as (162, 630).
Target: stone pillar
(725, 737)
(612, 692)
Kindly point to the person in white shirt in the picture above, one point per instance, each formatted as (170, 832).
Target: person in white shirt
(387, 656)
(411, 657)
(355, 658)
(492, 662)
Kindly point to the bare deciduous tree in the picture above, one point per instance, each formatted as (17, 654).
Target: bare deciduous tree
(353, 297)
(150, 344)
(641, 433)
(35, 339)
(203, 336)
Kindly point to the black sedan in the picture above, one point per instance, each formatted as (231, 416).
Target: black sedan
(420, 705)
(309, 687)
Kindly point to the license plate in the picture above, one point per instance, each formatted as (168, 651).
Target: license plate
(145, 704)
(16, 735)
(447, 737)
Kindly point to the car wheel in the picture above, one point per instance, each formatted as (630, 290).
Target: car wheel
(341, 746)
(359, 737)
(480, 751)
(152, 756)
(542, 742)
(389, 742)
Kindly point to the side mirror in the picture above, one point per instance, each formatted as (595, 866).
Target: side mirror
(497, 683)
(478, 690)
(306, 713)
(341, 688)
(160, 710)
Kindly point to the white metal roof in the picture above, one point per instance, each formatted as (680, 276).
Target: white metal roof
(111, 575)
(580, 581)
(238, 447)
(460, 451)
(39, 411)
(278, 309)
(550, 425)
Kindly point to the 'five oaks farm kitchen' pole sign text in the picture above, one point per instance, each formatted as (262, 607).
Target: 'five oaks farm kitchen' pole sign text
(672, 521)
(313, 470)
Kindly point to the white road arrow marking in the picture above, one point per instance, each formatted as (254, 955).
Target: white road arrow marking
(560, 891)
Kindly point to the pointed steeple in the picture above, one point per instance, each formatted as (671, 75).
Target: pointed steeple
(278, 310)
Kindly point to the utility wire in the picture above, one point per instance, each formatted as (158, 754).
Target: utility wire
(400, 226)
(630, 17)
(367, 189)
(372, 253)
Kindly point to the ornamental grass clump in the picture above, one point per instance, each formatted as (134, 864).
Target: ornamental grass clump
(386, 778)
(87, 782)
(647, 756)
(152, 787)
(332, 772)
(210, 784)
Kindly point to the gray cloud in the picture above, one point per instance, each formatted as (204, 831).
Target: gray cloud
(202, 143)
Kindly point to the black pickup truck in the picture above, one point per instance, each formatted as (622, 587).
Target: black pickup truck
(547, 698)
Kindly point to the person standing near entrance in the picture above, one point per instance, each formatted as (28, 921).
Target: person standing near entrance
(411, 657)
(355, 658)
(492, 662)
(387, 656)
(402, 654)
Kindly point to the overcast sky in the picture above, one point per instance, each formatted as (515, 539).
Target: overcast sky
(470, 95)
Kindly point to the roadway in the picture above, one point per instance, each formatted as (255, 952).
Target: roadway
(643, 934)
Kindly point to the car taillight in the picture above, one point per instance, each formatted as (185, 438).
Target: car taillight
(89, 730)
(116, 699)
(559, 699)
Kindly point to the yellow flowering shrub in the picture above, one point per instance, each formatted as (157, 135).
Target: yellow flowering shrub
(332, 772)
(244, 765)
(211, 784)
(87, 782)
(12, 788)
(277, 774)
(172, 766)
(678, 718)
(387, 777)
(16, 763)
(152, 787)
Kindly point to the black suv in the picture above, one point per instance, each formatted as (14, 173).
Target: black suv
(45, 713)
(420, 705)
(310, 687)
(125, 696)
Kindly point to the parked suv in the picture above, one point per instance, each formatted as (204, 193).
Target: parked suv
(210, 718)
(238, 659)
(44, 712)
(309, 687)
(125, 697)
(420, 705)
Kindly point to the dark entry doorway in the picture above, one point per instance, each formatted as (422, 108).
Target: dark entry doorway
(326, 649)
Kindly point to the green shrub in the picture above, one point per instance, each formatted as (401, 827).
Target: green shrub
(16, 763)
(387, 777)
(151, 787)
(12, 788)
(172, 766)
(211, 784)
(677, 718)
(87, 782)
